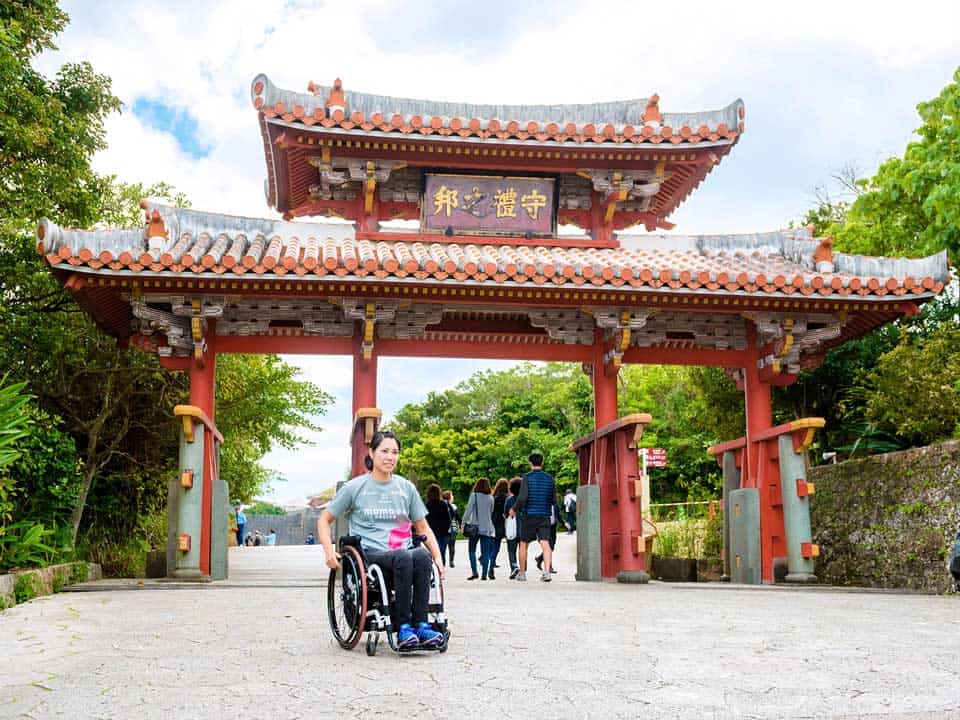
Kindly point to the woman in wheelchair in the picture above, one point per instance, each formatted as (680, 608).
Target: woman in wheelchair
(385, 512)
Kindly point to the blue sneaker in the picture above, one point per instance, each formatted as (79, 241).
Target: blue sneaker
(407, 638)
(427, 636)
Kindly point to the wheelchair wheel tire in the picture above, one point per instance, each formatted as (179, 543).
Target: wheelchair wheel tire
(372, 641)
(347, 598)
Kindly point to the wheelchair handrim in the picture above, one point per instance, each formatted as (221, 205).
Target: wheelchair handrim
(347, 599)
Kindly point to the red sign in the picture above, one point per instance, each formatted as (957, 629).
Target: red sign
(488, 205)
(656, 457)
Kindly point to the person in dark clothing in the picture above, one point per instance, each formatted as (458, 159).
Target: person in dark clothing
(438, 518)
(538, 494)
(499, 521)
(455, 522)
(509, 512)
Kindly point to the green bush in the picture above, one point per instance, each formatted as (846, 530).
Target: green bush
(690, 538)
(123, 557)
(27, 587)
(79, 573)
(60, 579)
(713, 537)
(46, 475)
(27, 544)
(154, 527)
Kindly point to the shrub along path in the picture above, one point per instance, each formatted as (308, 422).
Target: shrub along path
(261, 647)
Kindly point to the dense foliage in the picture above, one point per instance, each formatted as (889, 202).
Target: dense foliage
(100, 438)
(489, 424)
(911, 206)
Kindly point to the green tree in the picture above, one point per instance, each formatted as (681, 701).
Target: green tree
(49, 129)
(911, 206)
(914, 392)
(262, 507)
(261, 404)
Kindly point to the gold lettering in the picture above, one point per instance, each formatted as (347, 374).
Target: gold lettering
(533, 203)
(445, 200)
(505, 203)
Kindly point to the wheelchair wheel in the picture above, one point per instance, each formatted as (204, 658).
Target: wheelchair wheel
(347, 598)
(373, 639)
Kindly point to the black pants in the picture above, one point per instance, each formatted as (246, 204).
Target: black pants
(452, 546)
(409, 572)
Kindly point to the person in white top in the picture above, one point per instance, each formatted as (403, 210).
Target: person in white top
(570, 510)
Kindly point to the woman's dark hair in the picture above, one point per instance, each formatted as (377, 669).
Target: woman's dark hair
(515, 485)
(482, 486)
(433, 491)
(500, 487)
(378, 438)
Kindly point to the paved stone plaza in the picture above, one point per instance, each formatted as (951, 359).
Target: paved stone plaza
(259, 647)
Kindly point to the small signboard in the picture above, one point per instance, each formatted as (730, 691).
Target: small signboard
(488, 205)
(656, 457)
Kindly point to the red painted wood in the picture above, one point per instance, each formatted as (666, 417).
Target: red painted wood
(488, 240)
(202, 393)
(302, 345)
(364, 394)
(762, 467)
(484, 350)
(686, 356)
(604, 387)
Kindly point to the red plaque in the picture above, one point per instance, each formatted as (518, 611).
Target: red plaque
(488, 205)
(656, 457)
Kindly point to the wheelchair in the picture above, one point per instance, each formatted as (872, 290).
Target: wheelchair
(360, 599)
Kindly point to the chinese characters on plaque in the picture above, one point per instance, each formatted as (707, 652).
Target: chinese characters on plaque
(488, 205)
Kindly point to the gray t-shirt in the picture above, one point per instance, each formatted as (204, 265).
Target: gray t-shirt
(382, 514)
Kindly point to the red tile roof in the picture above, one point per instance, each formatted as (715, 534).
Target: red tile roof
(622, 122)
(772, 264)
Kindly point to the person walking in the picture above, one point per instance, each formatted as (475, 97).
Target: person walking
(538, 495)
(438, 518)
(570, 510)
(241, 524)
(479, 512)
(455, 522)
(554, 526)
(509, 512)
(499, 520)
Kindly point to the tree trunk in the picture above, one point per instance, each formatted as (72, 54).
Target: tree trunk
(77, 515)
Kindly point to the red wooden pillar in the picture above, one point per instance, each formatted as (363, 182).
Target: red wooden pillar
(203, 376)
(757, 401)
(604, 387)
(762, 470)
(364, 396)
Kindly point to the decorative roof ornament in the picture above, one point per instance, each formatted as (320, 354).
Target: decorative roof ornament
(823, 255)
(336, 100)
(651, 114)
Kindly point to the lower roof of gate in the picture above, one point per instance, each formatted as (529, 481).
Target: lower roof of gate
(186, 244)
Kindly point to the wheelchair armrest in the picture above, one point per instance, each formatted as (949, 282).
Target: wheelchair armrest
(419, 540)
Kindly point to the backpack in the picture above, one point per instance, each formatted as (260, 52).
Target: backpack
(454, 525)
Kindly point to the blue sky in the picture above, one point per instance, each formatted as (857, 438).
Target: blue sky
(825, 83)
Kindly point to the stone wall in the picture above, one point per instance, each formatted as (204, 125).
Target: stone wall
(292, 528)
(888, 521)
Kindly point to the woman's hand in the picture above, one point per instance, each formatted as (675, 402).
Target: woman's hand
(333, 559)
(438, 561)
